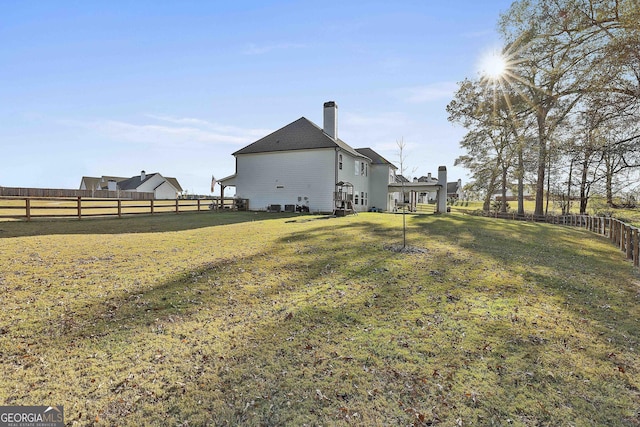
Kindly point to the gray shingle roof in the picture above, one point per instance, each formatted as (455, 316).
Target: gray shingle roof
(133, 182)
(124, 184)
(174, 182)
(302, 134)
(376, 158)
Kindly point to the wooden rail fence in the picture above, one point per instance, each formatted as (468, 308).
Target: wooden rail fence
(621, 234)
(80, 207)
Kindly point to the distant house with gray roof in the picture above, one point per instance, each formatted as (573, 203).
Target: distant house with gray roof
(162, 187)
(454, 190)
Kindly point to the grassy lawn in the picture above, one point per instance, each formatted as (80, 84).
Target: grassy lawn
(262, 319)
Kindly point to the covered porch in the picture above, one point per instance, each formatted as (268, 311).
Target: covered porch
(415, 188)
(229, 181)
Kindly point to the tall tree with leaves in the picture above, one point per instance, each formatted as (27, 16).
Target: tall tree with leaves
(564, 49)
(493, 144)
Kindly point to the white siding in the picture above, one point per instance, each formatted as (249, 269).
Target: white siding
(352, 172)
(379, 194)
(158, 185)
(166, 191)
(284, 177)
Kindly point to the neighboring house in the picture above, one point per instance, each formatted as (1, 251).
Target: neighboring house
(429, 196)
(454, 190)
(102, 183)
(512, 192)
(308, 166)
(162, 187)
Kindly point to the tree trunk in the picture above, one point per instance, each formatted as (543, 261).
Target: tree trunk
(486, 206)
(583, 183)
(520, 181)
(566, 208)
(542, 163)
(548, 191)
(609, 180)
(503, 205)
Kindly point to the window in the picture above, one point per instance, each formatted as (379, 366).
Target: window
(355, 199)
(340, 161)
(362, 165)
(357, 168)
(362, 199)
(366, 169)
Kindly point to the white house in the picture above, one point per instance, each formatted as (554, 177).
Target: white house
(162, 187)
(454, 190)
(305, 165)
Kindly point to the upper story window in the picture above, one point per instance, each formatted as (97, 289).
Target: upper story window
(362, 165)
(357, 168)
(340, 161)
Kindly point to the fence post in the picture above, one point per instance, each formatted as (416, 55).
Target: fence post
(151, 204)
(636, 248)
(27, 208)
(198, 205)
(119, 208)
(79, 207)
(628, 242)
(612, 230)
(621, 235)
(177, 205)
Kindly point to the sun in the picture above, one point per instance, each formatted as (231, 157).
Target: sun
(493, 65)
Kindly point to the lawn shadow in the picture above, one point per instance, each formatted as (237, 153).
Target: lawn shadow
(158, 223)
(560, 261)
(326, 334)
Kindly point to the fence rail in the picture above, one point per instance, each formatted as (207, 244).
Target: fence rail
(621, 234)
(425, 208)
(80, 207)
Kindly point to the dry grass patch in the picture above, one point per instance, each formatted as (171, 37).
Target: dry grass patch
(303, 320)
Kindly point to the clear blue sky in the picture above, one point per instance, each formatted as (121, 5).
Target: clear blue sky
(114, 87)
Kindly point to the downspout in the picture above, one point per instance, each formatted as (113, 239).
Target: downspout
(335, 180)
(335, 166)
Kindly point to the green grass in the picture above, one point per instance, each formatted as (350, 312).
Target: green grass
(258, 319)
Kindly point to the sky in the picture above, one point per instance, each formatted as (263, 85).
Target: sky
(175, 87)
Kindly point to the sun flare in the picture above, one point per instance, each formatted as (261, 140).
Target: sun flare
(493, 65)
